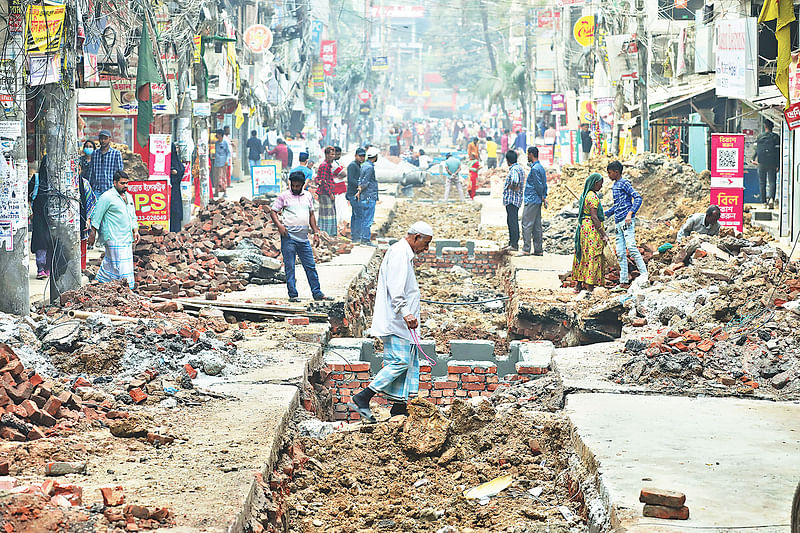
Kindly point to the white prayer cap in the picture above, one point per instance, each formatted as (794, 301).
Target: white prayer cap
(421, 228)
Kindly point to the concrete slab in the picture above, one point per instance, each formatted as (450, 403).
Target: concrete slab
(735, 459)
(540, 272)
(465, 350)
(585, 368)
(536, 354)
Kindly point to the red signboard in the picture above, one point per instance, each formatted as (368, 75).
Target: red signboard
(546, 155)
(792, 115)
(327, 54)
(151, 201)
(730, 201)
(364, 96)
(727, 155)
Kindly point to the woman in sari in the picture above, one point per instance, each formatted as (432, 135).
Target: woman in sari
(590, 237)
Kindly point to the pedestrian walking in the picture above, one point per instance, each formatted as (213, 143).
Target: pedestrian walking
(767, 157)
(115, 218)
(396, 321)
(586, 142)
(353, 175)
(88, 197)
(512, 199)
(503, 146)
(176, 173)
(222, 155)
(473, 149)
(452, 167)
(534, 197)
(293, 215)
(281, 153)
(590, 237)
(491, 153)
(104, 164)
(626, 203)
(367, 195)
(304, 167)
(324, 183)
(254, 150)
(41, 242)
(339, 174)
(474, 165)
(521, 142)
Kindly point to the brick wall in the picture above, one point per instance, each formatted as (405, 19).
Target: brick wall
(481, 262)
(465, 379)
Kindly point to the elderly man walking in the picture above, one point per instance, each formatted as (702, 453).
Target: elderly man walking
(115, 217)
(396, 322)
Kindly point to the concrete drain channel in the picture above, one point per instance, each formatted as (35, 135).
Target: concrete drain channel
(485, 419)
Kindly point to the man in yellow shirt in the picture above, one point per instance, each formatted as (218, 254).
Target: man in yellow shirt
(491, 153)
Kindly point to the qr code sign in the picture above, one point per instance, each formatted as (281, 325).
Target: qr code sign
(727, 159)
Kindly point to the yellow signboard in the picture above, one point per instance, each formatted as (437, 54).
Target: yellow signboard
(44, 26)
(583, 31)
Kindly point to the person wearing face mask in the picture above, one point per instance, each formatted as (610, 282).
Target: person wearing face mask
(115, 218)
(88, 198)
(104, 164)
(293, 215)
(41, 243)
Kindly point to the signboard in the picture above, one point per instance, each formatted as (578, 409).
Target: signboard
(365, 108)
(44, 27)
(364, 96)
(583, 30)
(546, 155)
(44, 68)
(727, 155)
(736, 58)
(567, 3)
(15, 17)
(558, 103)
(545, 81)
(151, 201)
(258, 38)
(201, 109)
(679, 9)
(380, 64)
(123, 97)
(623, 57)
(548, 18)
(327, 54)
(731, 203)
(792, 115)
(317, 81)
(397, 12)
(266, 178)
(316, 35)
(197, 56)
(158, 165)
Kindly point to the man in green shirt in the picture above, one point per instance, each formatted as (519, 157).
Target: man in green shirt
(115, 217)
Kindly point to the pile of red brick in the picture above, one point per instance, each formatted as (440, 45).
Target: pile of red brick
(182, 264)
(666, 504)
(687, 340)
(28, 403)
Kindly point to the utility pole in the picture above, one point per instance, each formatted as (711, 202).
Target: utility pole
(14, 258)
(490, 52)
(63, 208)
(644, 109)
(201, 126)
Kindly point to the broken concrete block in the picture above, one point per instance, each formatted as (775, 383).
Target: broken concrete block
(112, 495)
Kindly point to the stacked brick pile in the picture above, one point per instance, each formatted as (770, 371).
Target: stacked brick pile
(182, 264)
(666, 504)
(482, 262)
(465, 379)
(29, 405)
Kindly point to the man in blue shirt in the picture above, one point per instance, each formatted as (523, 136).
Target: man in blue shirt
(521, 142)
(626, 203)
(303, 167)
(353, 175)
(512, 199)
(367, 195)
(222, 157)
(254, 149)
(452, 167)
(534, 196)
(105, 163)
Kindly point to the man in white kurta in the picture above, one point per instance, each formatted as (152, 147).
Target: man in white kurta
(396, 322)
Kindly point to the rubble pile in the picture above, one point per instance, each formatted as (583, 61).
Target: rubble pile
(411, 473)
(449, 221)
(442, 323)
(229, 245)
(132, 163)
(728, 307)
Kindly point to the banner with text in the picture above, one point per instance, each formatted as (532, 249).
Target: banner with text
(727, 178)
(151, 201)
(160, 150)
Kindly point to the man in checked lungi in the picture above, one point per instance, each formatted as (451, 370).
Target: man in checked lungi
(396, 322)
(114, 216)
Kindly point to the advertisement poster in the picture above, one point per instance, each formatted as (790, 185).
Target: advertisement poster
(266, 178)
(44, 25)
(327, 54)
(160, 148)
(546, 155)
(151, 201)
(727, 155)
(731, 203)
(44, 69)
(123, 97)
(559, 104)
(736, 55)
(186, 184)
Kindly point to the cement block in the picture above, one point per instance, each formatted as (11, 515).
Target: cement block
(341, 356)
(445, 244)
(468, 350)
(473, 364)
(365, 346)
(513, 350)
(506, 365)
(538, 354)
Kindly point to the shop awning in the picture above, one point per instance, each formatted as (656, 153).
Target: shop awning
(94, 101)
(769, 102)
(666, 97)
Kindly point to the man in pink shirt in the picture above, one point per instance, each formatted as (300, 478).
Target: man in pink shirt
(503, 147)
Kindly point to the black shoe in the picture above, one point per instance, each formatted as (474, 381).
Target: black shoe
(294, 299)
(362, 410)
(323, 298)
(399, 408)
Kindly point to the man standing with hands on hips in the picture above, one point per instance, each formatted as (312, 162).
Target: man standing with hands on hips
(396, 322)
(626, 203)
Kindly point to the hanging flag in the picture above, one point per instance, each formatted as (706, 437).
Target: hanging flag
(146, 73)
(783, 13)
(239, 116)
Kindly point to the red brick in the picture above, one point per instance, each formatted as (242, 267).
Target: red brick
(190, 371)
(13, 367)
(424, 377)
(298, 320)
(31, 409)
(4, 468)
(705, 345)
(445, 385)
(532, 370)
(35, 434)
(436, 393)
(473, 386)
(425, 368)
(461, 393)
(138, 395)
(473, 393)
(454, 377)
(448, 392)
(36, 379)
(667, 513)
(458, 369)
(667, 498)
(472, 378)
(639, 322)
(491, 387)
(80, 382)
(700, 253)
(492, 379)
(51, 406)
(425, 386)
